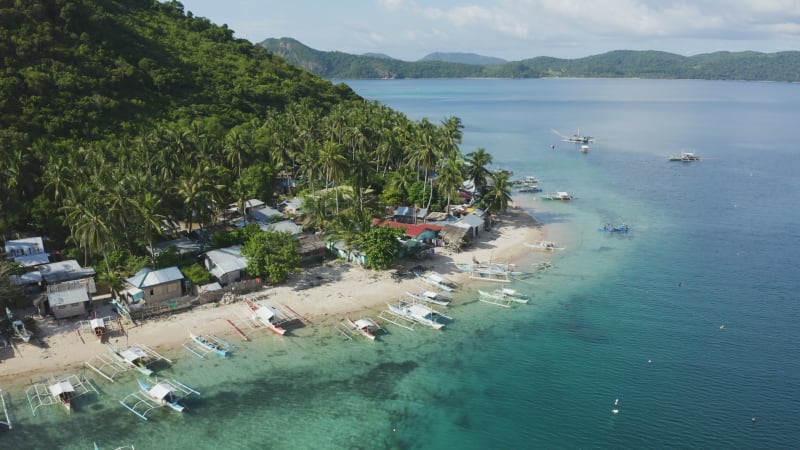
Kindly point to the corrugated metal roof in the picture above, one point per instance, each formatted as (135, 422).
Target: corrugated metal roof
(64, 271)
(148, 277)
(70, 297)
(283, 226)
(226, 260)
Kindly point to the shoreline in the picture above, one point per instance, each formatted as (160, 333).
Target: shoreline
(332, 290)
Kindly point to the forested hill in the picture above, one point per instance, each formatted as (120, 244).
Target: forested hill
(782, 66)
(90, 68)
(343, 66)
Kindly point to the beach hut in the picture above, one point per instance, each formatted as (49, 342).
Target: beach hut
(265, 214)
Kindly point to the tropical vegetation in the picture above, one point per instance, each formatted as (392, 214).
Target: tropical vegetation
(117, 118)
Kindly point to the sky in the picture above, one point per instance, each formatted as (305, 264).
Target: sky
(513, 29)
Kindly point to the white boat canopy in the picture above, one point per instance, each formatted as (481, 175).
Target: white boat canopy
(61, 387)
(363, 323)
(97, 323)
(160, 391)
(133, 353)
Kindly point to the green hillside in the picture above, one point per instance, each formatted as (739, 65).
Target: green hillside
(87, 68)
(754, 66)
(121, 118)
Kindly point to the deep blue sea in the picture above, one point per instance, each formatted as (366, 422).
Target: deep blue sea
(690, 319)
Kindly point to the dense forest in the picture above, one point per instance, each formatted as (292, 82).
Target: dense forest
(754, 66)
(118, 114)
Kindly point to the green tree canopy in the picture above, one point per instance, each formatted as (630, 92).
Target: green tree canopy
(271, 254)
(382, 246)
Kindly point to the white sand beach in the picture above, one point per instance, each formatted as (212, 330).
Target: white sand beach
(332, 290)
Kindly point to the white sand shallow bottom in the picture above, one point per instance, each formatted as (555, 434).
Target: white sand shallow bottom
(333, 290)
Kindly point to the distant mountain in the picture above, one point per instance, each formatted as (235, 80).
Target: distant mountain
(465, 58)
(752, 66)
(338, 65)
(377, 55)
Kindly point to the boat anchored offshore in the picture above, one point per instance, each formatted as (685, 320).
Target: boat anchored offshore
(615, 228)
(563, 196)
(684, 157)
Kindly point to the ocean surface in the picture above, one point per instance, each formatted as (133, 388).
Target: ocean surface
(690, 319)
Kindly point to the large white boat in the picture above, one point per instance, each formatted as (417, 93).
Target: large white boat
(577, 138)
(684, 157)
(418, 313)
(430, 297)
(266, 316)
(563, 196)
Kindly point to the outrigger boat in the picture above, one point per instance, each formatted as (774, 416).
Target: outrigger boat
(502, 297)
(544, 245)
(4, 411)
(58, 391)
(436, 280)
(418, 313)
(365, 326)
(266, 316)
(563, 196)
(162, 393)
(201, 345)
(431, 297)
(165, 393)
(19, 327)
(138, 357)
(491, 271)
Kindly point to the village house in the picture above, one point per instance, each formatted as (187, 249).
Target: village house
(226, 264)
(69, 288)
(154, 286)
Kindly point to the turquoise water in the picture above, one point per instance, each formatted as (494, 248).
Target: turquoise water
(713, 243)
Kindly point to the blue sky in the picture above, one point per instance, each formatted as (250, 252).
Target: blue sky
(513, 29)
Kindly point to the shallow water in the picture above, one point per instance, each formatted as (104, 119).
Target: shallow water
(712, 243)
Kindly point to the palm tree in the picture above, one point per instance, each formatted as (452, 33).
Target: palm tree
(451, 179)
(478, 163)
(497, 195)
